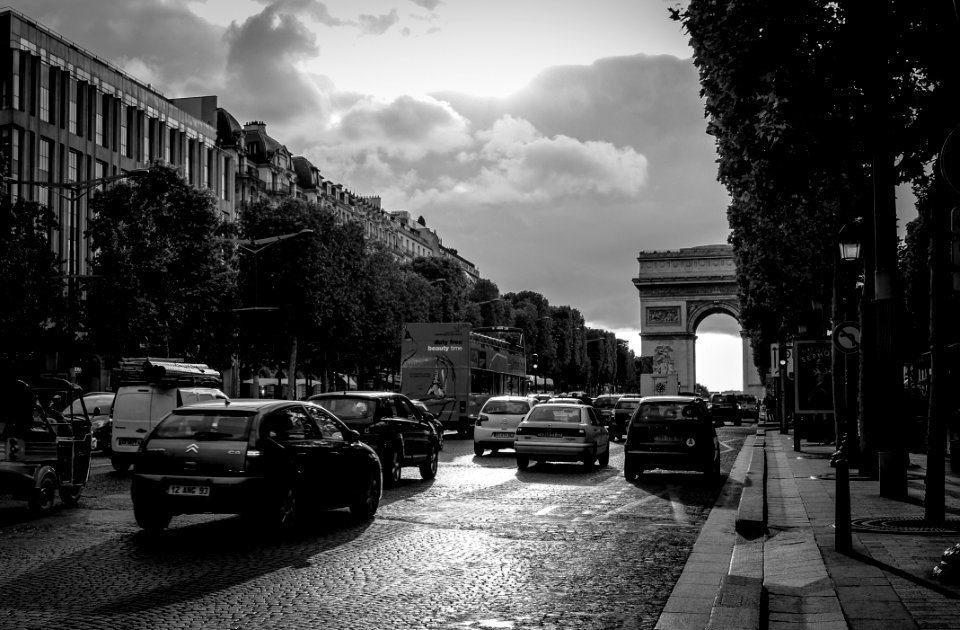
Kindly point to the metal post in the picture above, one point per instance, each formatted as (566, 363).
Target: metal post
(842, 540)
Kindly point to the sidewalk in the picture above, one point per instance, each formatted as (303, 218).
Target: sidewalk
(774, 567)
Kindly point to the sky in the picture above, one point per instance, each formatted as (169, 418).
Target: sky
(548, 141)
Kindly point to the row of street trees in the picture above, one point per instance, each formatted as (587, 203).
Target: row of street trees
(286, 290)
(819, 109)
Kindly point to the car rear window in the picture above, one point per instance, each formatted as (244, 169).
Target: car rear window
(206, 426)
(501, 407)
(628, 404)
(348, 408)
(665, 411)
(543, 413)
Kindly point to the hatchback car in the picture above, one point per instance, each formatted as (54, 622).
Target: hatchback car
(725, 407)
(622, 411)
(273, 460)
(672, 433)
(604, 405)
(562, 432)
(497, 422)
(391, 424)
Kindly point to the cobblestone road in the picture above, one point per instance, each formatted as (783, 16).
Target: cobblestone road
(483, 546)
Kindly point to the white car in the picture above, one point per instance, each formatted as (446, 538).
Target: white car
(497, 422)
(561, 432)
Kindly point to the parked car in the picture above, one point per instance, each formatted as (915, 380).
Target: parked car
(391, 425)
(498, 422)
(98, 405)
(604, 405)
(273, 460)
(432, 419)
(725, 407)
(562, 432)
(672, 433)
(622, 411)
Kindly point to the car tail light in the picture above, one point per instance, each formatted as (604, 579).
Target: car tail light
(483, 418)
(13, 449)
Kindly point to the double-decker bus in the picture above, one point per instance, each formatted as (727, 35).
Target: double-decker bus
(454, 368)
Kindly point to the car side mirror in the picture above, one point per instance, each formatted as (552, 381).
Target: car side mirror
(351, 436)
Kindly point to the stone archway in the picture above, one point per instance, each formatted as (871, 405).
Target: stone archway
(678, 290)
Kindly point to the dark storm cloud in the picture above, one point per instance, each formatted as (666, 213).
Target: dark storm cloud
(263, 79)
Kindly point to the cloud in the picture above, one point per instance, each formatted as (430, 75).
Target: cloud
(430, 5)
(378, 24)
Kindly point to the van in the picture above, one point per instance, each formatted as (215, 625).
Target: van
(155, 390)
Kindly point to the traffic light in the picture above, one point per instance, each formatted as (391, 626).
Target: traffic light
(535, 358)
(955, 246)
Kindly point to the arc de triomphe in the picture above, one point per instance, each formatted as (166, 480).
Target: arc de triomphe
(678, 290)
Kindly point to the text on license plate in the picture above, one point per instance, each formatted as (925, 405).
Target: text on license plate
(664, 438)
(503, 435)
(552, 434)
(129, 441)
(194, 491)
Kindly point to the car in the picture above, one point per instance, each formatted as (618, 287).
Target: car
(98, 406)
(429, 417)
(622, 410)
(725, 407)
(671, 433)
(275, 461)
(562, 432)
(390, 423)
(604, 405)
(565, 400)
(498, 422)
(749, 407)
(542, 397)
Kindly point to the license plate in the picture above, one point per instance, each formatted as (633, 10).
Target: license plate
(190, 491)
(129, 441)
(503, 435)
(663, 438)
(549, 435)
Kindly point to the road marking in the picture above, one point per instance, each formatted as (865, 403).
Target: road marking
(546, 510)
(679, 511)
(725, 448)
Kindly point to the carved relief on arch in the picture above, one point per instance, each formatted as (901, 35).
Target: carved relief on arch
(697, 311)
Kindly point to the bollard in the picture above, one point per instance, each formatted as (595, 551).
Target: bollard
(842, 542)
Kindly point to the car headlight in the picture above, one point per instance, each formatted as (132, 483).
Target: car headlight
(98, 424)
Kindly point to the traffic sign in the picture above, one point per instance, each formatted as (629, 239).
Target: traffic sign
(846, 337)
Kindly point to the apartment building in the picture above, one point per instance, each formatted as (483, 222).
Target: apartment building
(69, 120)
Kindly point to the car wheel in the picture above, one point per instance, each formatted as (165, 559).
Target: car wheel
(477, 450)
(151, 518)
(523, 462)
(44, 495)
(394, 469)
(367, 507)
(71, 496)
(589, 460)
(605, 458)
(428, 469)
(120, 464)
(631, 469)
(440, 439)
(714, 470)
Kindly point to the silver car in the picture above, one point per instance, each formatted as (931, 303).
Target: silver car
(564, 433)
(497, 422)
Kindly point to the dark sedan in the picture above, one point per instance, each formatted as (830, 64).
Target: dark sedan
(391, 424)
(273, 460)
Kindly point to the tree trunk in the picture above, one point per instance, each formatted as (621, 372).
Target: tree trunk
(292, 371)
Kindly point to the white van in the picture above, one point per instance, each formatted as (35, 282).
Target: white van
(137, 408)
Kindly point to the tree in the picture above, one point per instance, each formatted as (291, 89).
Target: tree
(449, 299)
(34, 308)
(165, 283)
(310, 280)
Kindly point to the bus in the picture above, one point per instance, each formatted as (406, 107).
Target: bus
(454, 368)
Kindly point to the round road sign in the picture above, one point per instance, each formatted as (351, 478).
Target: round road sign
(846, 337)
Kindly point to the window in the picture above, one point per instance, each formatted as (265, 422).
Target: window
(124, 147)
(44, 92)
(329, 428)
(72, 108)
(45, 167)
(206, 426)
(147, 124)
(98, 122)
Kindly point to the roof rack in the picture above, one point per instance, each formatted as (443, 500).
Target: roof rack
(165, 371)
